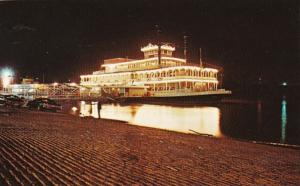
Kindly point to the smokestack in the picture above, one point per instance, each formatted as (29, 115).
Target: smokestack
(200, 56)
(159, 45)
(185, 47)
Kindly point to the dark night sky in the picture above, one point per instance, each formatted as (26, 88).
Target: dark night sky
(250, 39)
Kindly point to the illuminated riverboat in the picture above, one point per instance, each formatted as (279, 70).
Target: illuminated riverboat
(159, 76)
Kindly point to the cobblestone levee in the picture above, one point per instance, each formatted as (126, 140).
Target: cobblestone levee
(59, 149)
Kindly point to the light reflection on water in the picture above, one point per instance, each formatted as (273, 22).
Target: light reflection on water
(283, 121)
(259, 115)
(263, 120)
(204, 120)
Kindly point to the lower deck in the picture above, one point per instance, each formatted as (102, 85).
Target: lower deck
(153, 88)
(177, 97)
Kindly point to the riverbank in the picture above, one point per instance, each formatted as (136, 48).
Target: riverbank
(47, 148)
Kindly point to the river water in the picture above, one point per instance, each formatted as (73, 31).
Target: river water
(274, 120)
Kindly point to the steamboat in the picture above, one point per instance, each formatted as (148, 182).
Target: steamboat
(159, 77)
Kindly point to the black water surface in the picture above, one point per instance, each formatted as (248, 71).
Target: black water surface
(270, 115)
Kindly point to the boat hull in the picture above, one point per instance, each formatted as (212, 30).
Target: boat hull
(191, 99)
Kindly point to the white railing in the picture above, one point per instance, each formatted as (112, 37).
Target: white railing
(98, 72)
(173, 78)
(188, 92)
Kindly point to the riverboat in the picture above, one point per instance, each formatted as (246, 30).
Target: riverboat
(158, 77)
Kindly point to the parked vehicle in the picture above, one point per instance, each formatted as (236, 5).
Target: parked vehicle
(11, 100)
(2, 100)
(44, 104)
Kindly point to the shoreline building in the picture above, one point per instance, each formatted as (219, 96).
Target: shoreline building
(30, 89)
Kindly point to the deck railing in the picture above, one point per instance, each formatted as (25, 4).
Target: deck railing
(184, 92)
(174, 78)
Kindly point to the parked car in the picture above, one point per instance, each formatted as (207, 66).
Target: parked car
(2, 100)
(44, 104)
(11, 100)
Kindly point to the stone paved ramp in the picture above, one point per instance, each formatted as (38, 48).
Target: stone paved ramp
(58, 149)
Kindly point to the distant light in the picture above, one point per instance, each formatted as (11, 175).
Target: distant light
(74, 109)
(7, 72)
(55, 83)
(6, 76)
(284, 84)
(73, 84)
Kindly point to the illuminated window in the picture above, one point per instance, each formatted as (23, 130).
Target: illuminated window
(157, 74)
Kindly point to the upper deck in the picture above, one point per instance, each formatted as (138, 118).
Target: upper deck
(149, 62)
